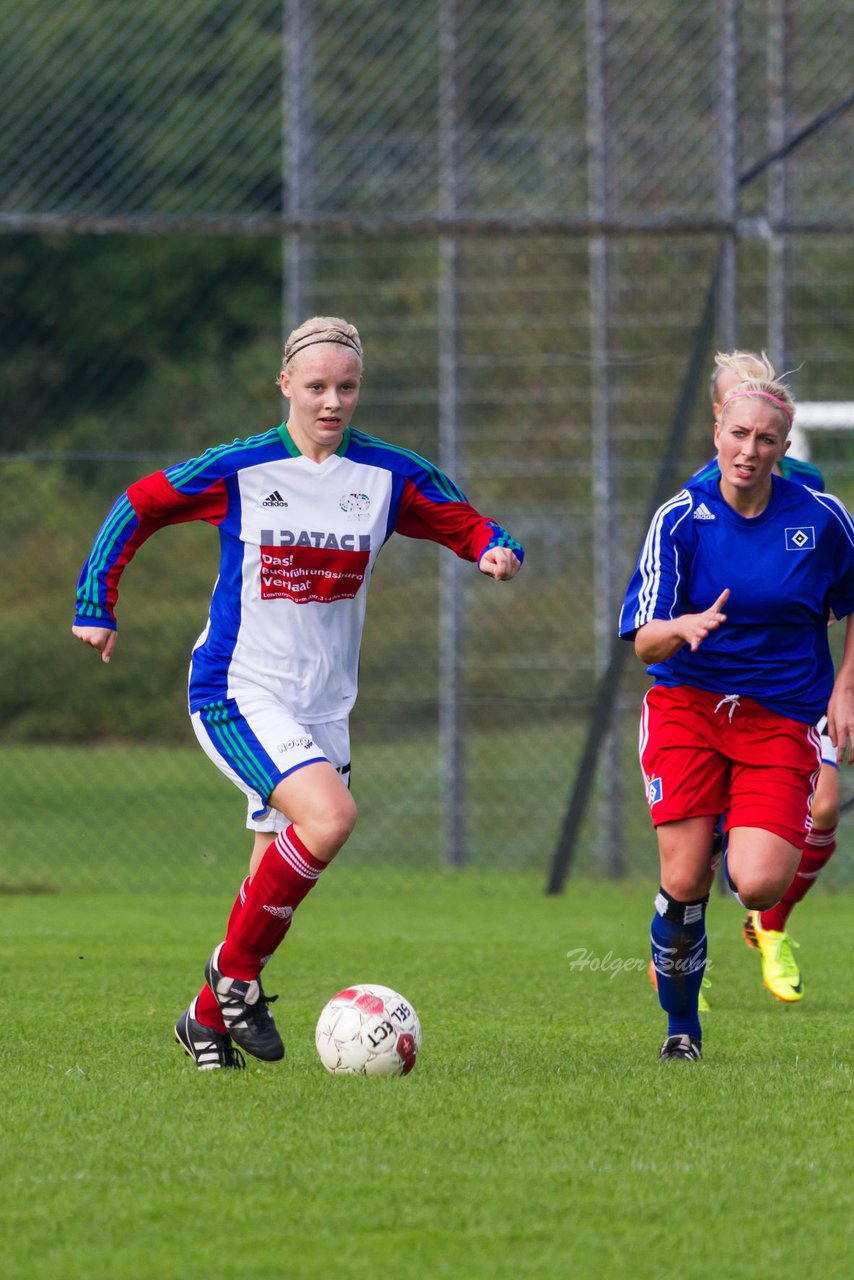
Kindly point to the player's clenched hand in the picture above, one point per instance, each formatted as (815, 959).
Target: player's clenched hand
(499, 563)
(696, 626)
(101, 638)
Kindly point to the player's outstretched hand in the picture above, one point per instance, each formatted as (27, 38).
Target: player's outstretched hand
(100, 638)
(658, 639)
(499, 563)
(696, 626)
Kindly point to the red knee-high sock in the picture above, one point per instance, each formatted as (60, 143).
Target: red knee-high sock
(817, 852)
(287, 871)
(207, 1009)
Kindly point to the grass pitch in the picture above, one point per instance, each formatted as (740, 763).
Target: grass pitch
(537, 1137)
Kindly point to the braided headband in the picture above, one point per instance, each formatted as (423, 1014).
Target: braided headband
(766, 395)
(311, 341)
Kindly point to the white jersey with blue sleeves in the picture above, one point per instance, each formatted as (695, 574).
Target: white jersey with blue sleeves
(298, 544)
(785, 570)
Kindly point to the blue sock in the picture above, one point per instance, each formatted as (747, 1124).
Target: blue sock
(678, 938)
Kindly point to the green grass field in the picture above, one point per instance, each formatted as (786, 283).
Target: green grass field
(537, 1137)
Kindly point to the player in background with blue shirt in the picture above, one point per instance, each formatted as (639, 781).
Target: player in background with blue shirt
(728, 607)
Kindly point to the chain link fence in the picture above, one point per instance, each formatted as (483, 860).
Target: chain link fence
(521, 207)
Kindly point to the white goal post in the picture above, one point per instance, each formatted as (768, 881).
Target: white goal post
(819, 415)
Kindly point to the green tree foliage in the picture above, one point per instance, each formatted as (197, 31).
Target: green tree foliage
(97, 327)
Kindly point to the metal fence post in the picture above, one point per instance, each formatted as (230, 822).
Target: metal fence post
(728, 170)
(778, 253)
(603, 515)
(451, 692)
(296, 178)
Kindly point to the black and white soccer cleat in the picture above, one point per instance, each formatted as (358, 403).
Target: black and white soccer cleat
(244, 1009)
(209, 1049)
(681, 1048)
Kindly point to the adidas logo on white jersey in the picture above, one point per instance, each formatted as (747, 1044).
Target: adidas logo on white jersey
(703, 513)
(274, 500)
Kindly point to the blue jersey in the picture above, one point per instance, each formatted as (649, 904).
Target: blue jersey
(785, 570)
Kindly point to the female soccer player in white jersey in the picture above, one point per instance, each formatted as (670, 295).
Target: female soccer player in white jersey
(728, 606)
(302, 511)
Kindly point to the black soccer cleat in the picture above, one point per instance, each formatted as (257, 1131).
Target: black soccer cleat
(209, 1049)
(244, 1009)
(681, 1048)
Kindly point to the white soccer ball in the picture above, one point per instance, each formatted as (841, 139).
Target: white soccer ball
(368, 1030)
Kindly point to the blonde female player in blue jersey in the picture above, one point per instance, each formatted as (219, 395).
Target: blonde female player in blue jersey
(302, 512)
(728, 606)
(766, 931)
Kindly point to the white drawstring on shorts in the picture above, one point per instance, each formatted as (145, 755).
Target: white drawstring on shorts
(731, 701)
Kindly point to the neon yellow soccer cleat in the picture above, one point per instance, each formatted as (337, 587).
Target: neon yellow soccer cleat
(780, 972)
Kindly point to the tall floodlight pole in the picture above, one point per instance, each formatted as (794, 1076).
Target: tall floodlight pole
(603, 486)
(451, 730)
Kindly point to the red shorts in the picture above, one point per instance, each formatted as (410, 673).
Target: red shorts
(705, 754)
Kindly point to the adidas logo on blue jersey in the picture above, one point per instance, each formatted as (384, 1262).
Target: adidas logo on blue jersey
(274, 500)
(703, 513)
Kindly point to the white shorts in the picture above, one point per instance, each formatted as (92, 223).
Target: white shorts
(828, 750)
(255, 742)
